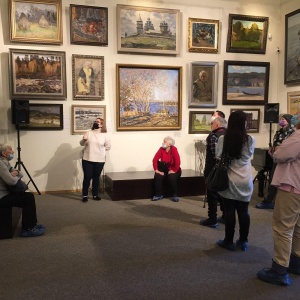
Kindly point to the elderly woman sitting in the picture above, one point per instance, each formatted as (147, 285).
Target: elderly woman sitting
(166, 164)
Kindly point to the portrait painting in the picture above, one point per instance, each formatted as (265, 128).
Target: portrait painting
(292, 48)
(89, 25)
(38, 22)
(245, 82)
(88, 77)
(203, 35)
(247, 34)
(203, 84)
(83, 117)
(148, 30)
(44, 117)
(199, 122)
(148, 97)
(37, 74)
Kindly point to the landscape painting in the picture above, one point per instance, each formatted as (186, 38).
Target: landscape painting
(199, 122)
(246, 82)
(83, 117)
(247, 34)
(88, 25)
(36, 21)
(148, 97)
(292, 48)
(253, 119)
(37, 74)
(148, 30)
(44, 117)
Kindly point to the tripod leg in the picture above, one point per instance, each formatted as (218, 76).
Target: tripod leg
(31, 180)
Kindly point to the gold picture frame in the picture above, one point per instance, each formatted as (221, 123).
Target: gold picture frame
(293, 102)
(36, 22)
(203, 35)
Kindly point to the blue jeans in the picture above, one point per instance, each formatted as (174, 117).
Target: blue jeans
(91, 171)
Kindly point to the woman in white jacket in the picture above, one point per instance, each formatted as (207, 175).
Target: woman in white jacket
(95, 142)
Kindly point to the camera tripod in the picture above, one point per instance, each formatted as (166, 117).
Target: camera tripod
(19, 162)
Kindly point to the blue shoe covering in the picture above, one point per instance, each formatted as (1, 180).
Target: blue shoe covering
(265, 205)
(33, 232)
(175, 199)
(226, 245)
(242, 245)
(155, 198)
(39, 226)
(269, 276)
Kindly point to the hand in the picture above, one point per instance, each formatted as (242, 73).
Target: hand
(158, 172)
(171, 172)
(14, 173)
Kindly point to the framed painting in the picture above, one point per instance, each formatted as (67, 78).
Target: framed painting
(247, 34)
(292, 48)
(245, 82)
(37, 74)
(44, 117)
(293, 102)
(87, 77)
(253, 119)
(148, 97)
(38, 22)
(83, 117)
(203, 35)
(88, 25)
(203, 85)
(148, 30)
(199, 122)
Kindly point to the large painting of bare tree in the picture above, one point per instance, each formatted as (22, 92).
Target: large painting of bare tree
(148, 97)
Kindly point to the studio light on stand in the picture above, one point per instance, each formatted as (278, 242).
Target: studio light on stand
(20, 115)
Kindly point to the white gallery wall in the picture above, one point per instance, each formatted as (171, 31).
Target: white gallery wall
(53, 157)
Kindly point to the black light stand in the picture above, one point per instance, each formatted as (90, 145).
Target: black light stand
(19, 162)
(270, 135)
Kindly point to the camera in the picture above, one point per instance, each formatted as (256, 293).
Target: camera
(95, 126)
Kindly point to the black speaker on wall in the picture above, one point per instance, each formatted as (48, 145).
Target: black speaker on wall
(271, 113)
(20, 111)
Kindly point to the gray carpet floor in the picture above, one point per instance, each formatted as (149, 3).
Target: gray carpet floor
(135, 249)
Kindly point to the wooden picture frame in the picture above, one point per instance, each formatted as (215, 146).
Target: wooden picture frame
(37, 74)
(148, 97)
(203, 35)
(247, 34)
(253, 118)
(293, 102)
(148, 30)
(37, 22)
(292, 48)
(88, 25)
(245, 82)
(83, 117)
(87, 77)
(199, 122)
(203, 84)
(44, 117)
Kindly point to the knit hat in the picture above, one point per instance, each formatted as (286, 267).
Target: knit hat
(287, 117)
(295, 119)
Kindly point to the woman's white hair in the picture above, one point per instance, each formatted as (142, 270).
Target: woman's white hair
(170, 140)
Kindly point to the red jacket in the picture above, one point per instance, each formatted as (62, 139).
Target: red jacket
(171, 158)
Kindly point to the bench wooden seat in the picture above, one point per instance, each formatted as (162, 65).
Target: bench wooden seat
(9, 219)
(139, 185)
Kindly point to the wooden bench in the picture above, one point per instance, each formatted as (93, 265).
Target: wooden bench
(9, 219)
(139, 185)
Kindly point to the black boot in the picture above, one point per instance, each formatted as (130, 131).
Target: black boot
(294, 266)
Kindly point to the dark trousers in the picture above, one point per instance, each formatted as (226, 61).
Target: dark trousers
(230, 207)
(27, 202)
(272, 190)
(213, 199)
(91, 171)
(172, 178)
